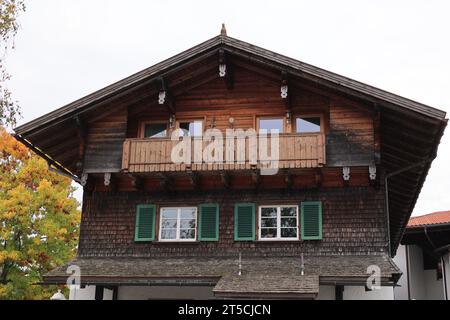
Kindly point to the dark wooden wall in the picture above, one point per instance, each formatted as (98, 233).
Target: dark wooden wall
(105, 143)
(351, 137)
(353, 223)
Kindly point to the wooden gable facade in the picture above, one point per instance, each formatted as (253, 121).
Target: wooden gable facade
(365, 164)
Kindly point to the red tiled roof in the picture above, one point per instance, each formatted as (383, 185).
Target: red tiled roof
(441, 217)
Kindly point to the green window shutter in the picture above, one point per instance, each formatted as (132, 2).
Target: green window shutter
(244, 222)
(208, 224)
(145, 223)
(311, 220)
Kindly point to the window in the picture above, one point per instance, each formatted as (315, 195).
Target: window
(178, 224)
(278, 223)
(193, 128)
(155, 130)
(308, 125)
(266, 125)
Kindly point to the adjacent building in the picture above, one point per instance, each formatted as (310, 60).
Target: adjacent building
(424, 258)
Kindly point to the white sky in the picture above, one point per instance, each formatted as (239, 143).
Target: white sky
(67, 49)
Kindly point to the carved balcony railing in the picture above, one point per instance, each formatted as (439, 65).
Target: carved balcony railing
(155, 154)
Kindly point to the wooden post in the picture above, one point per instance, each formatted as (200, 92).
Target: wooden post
(126, 155)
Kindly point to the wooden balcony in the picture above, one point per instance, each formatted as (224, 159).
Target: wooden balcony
(154, 155)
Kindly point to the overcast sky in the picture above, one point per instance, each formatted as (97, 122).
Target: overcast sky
(67, 49)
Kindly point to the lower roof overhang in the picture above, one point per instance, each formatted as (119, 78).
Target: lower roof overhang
(261, 277)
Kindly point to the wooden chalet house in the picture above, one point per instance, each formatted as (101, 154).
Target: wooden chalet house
(351, 161)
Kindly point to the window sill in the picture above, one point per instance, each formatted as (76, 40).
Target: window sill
(176, 242)
(279, 240)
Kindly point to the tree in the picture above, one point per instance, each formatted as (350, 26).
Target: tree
(39, 221)
(9, 12)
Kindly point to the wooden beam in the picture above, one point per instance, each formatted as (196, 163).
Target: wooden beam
(225, 70)
(318, 178)
(284, 88)
(288, 180)
(194, 178)
(165, 97)
(166, 181)
(256, 178)
(225, 176)
(136, 181)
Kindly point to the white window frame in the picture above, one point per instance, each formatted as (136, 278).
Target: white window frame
(278, 238)
(177, 239)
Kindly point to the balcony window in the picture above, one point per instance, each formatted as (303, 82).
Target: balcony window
(178, 224)
(308, 125)
(193, 128)
(278, 223)
(271, 125)
(155, 130)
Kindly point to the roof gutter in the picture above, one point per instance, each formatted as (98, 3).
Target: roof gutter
(53, 165)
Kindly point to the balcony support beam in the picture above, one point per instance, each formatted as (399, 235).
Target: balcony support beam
(194, 178)
(256, 178)
(166, 181)
(225, 176)
(136, 182)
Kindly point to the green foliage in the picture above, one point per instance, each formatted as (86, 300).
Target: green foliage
(39, 221)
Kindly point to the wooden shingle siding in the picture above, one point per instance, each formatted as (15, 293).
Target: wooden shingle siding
(353, 223)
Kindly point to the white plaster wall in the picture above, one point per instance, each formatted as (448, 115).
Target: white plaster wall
(107, 294)
(434, 288)
(401, 291)
(417, 286)
(360, 293)
(87, 293)
(447, 273)
(164, 292)
(326, 293)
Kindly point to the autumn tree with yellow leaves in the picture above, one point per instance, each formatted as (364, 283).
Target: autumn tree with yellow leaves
(39, 221)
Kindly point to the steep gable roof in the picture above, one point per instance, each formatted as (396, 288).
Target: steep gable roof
(247, 50)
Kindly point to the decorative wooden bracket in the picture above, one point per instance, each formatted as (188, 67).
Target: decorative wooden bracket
(346, 173)
(88, 184)
(225, 70)
(84, 179)
(109, 182)
(164, 96)
(107, 179)
(225, 176)
(372, 173)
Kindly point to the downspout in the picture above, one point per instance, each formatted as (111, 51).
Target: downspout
(386, 187)
(408, 276)
(444, 278)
